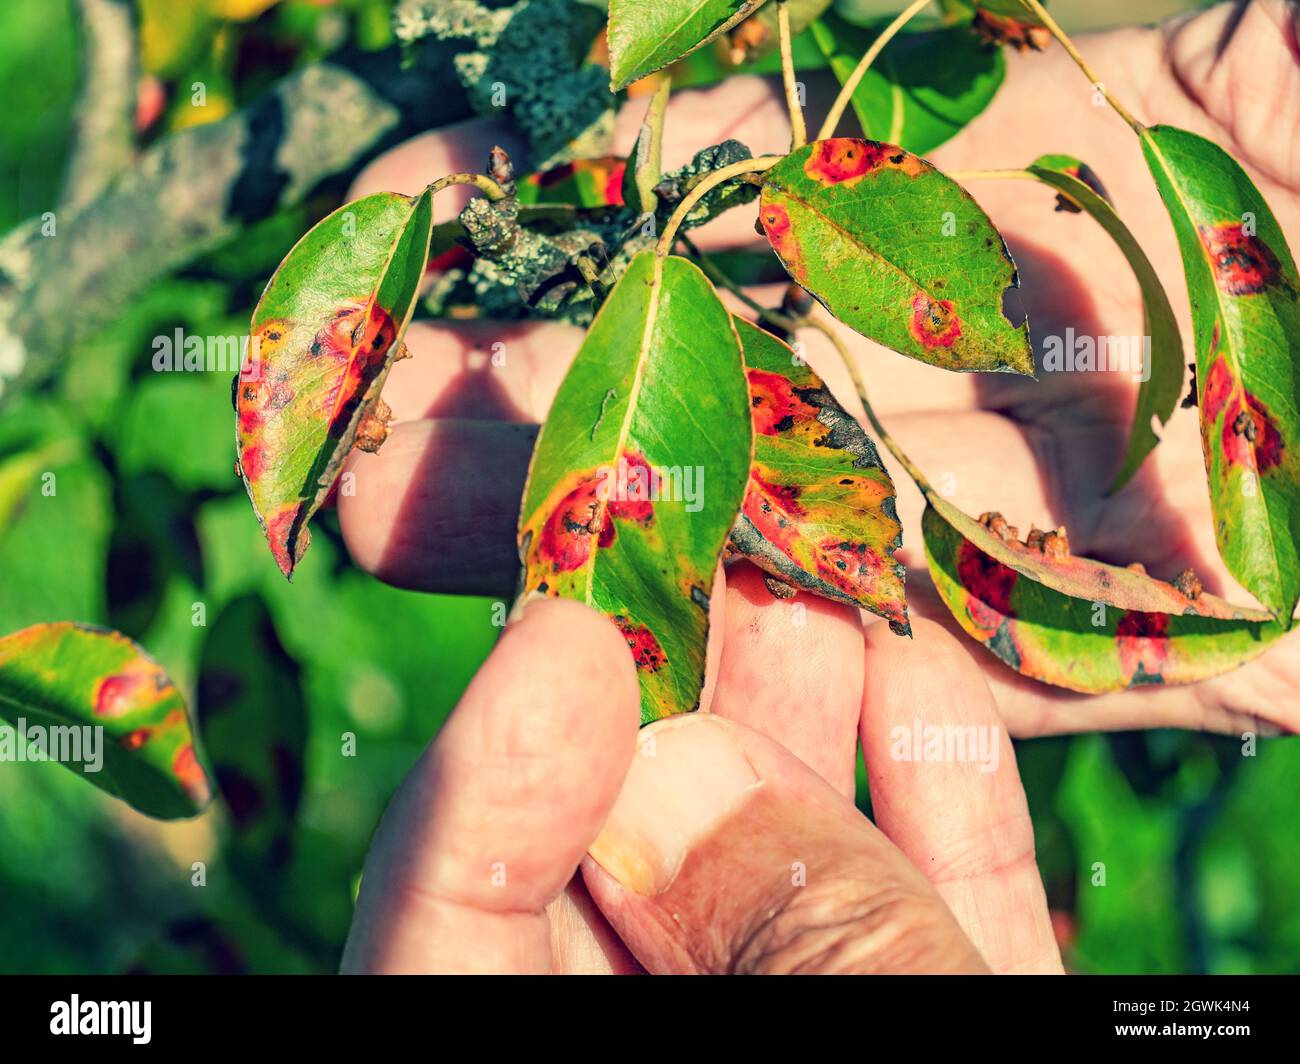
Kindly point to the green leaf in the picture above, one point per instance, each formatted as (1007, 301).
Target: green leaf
(254, 720)
(645, 37)
(74, 676)
(898, 251)
(645, 165)
(659, 388)
(326, 332)
(1245, 296)
(819, 512)
(1078, 623)
(1077, 187)
(924, 87)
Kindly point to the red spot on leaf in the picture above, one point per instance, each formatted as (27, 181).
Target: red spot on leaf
(1249, 437)
(189, 773)
(989, 584)
(933, 322)
(1243, 265)
(775, 404)
(253, 462)
(613, 193)
(851, 567)
(771, 508)
(776, 224)
(625, 491)
(120, 694)
(1143, 643)
(841, 159)
(455, 257)
(357, 340)
(133, 740)
(646, 651)
(278, 530)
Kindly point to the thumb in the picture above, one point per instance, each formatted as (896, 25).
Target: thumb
(726, 853)
(490, 825)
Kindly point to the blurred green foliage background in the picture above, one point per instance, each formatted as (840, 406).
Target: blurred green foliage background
(1201, 846)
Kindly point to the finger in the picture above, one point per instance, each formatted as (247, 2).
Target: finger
(726, 853)
(1257, 699)
(489, 370)
(490, 825)
(792, 669)
(946, 790)
(436, 508)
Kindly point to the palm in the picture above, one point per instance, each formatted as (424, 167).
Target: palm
(1045, 450)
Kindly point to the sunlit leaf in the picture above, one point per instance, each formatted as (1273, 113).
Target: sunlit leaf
(1158, 394)
(74, 677)
(1245, 295)
(323, 338)
(922, 89)
(1078, 623)
(898, 251)
(640, 470)
(644, 37)
(819, 513)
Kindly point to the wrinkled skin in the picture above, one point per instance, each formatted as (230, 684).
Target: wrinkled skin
(436, 510)
(1047, 449)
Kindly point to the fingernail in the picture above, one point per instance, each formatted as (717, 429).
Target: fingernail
(687, 776)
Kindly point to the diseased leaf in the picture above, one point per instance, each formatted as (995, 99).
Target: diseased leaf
(1245, 296)
(1077, 623)
(1010, 22)
(582, 183)
(924, 87)
(1079, 188)
(73, 677)
(896, 250)
(323, 337)
(819, 512)
(640, 470)
(647, 36)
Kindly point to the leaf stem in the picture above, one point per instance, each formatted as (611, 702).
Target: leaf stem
(798, 131)
(482, 182)
(836, 112)
(709, 181)
(999, 175)
(718, 276)
(860, 386)
(1054, 28)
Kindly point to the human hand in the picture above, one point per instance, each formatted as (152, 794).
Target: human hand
(436, 509)
(725, 840)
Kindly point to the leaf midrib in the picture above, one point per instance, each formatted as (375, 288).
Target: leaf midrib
(625, 427)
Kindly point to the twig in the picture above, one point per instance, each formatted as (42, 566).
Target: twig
(710, 181)
(860, 386)
(1055, 30)
(836, 112)
(798, 132)
(104, 143)
(715, 273)
(482, 182)
(199, 187)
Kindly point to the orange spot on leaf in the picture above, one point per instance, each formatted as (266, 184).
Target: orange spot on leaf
(933, 322)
